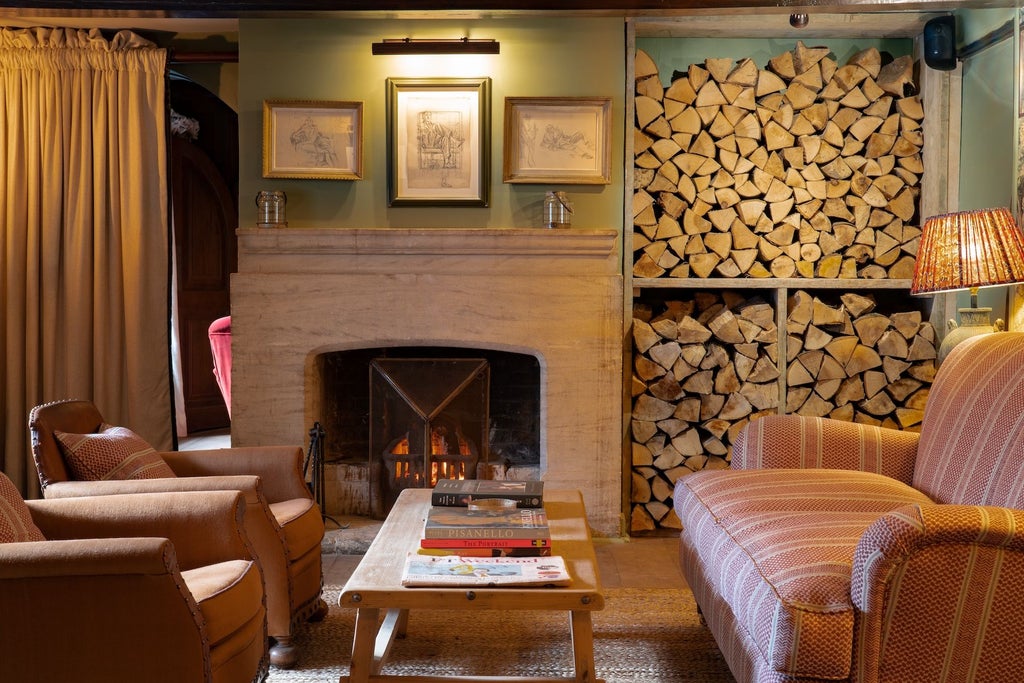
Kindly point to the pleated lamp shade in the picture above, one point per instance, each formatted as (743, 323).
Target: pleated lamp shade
(967, 250)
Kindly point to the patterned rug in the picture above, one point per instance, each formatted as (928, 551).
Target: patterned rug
(641, 636)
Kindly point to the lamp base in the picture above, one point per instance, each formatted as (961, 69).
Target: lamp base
(973, 321)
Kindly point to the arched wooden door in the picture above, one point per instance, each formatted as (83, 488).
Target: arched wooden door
(204, 218)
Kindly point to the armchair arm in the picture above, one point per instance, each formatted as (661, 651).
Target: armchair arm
(128, 593)
(280, 467)
(938, 586)
(205, 527)
(796, 441)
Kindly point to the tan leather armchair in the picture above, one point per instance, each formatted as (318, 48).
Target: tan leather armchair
(160, 588)
(284, 523)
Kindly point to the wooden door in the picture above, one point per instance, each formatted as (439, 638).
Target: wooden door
(204, 219)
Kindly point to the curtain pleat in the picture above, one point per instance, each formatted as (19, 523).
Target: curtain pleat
(84, 257)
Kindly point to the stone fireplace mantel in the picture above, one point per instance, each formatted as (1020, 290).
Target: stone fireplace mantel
(554, 294)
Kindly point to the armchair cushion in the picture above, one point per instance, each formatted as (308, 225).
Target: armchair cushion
(111, 453)
(16, 523)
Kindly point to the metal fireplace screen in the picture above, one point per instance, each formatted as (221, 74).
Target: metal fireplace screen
(428, 421)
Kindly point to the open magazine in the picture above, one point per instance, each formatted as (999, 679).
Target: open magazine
(453, 570)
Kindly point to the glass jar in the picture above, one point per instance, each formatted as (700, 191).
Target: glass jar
(270, 209)
(557, 210)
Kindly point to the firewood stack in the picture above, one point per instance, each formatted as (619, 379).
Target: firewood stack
(704, 367)
(849, 362)
(801, 169)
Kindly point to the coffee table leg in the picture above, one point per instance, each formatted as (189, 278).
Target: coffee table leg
(361, 665)
(582, 630)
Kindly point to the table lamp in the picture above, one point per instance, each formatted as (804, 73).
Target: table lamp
(968, 250)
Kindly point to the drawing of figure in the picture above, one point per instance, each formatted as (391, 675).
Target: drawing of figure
(314, 145)
(439, 143)
(528, 139)
(575, 143)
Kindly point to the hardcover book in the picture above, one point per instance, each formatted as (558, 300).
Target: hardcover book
(423, 570)
(459, 522)
(461, 492)
(485, 542)
(488, 551)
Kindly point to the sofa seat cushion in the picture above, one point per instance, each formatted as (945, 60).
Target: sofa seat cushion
(778, 545)
(230, 596)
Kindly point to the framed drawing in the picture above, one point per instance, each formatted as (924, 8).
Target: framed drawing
(312, 139)
(438, 137)
(564, 140)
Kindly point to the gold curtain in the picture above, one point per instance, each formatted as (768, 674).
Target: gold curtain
(84, 257)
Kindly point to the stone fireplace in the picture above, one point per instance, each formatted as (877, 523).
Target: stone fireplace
(555, 295)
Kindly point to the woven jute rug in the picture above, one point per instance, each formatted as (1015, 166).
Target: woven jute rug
(641, 636)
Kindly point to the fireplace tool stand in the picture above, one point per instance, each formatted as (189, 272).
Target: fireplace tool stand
(315, 457)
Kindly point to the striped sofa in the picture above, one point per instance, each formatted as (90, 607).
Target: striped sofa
(834, 551)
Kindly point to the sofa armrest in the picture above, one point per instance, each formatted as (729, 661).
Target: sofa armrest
(280, 467)
(128, 592)
(86, 557)
(250, 486)
(205, 527)
(939, 586)
(796, 441)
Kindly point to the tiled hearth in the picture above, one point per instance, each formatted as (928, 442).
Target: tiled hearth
(553, 294)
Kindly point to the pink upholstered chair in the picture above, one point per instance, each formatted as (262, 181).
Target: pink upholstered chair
(220, 346)
(159, 588)
(849, 552)
(78, 454)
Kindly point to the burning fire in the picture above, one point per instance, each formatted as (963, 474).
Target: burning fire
(440, 466)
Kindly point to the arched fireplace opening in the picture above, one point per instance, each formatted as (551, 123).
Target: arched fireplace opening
(401, 417)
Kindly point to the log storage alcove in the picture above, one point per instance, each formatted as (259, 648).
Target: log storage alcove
(775, 213)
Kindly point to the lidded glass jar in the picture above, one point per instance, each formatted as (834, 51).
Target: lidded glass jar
(557, 210)
(270, 209)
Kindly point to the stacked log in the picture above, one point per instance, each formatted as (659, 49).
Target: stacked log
(702, 368)
(705, 366)
(803, 168)
(849, 362)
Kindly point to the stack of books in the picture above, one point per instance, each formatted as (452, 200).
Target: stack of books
(486, 533)
(486, 518)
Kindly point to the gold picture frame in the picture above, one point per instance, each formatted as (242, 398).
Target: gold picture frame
(438, 141)
(558, 140)
(314, 139)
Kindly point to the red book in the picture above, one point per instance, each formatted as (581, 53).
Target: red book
(485, 542)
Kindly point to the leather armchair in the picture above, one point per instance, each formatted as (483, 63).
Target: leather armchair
(284, 523)
(160, 588)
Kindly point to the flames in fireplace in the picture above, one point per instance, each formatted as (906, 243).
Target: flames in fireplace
(445, 463)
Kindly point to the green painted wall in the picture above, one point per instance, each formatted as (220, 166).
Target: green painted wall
(331, 60)
(988, 122)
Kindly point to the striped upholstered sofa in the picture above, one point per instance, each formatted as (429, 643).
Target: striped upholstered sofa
(834, 551)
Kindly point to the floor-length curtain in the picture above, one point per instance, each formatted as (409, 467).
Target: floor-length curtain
(84, 256)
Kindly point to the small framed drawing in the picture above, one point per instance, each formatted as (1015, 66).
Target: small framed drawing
(564, 140)
(314, 139)
(438, 145)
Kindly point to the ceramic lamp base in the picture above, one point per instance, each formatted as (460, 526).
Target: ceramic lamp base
(973, 321)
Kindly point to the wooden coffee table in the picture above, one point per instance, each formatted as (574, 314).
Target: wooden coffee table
(376, 586)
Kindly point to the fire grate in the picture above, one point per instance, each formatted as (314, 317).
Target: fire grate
(428, 421)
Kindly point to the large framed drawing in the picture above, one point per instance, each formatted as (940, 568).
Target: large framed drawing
(565, 140)
(313, 139)
(438, 140)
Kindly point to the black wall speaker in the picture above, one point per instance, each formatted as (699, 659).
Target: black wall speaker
(940, 43)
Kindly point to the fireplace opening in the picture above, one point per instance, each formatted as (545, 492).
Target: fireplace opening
(506, 444)
(427, 417)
